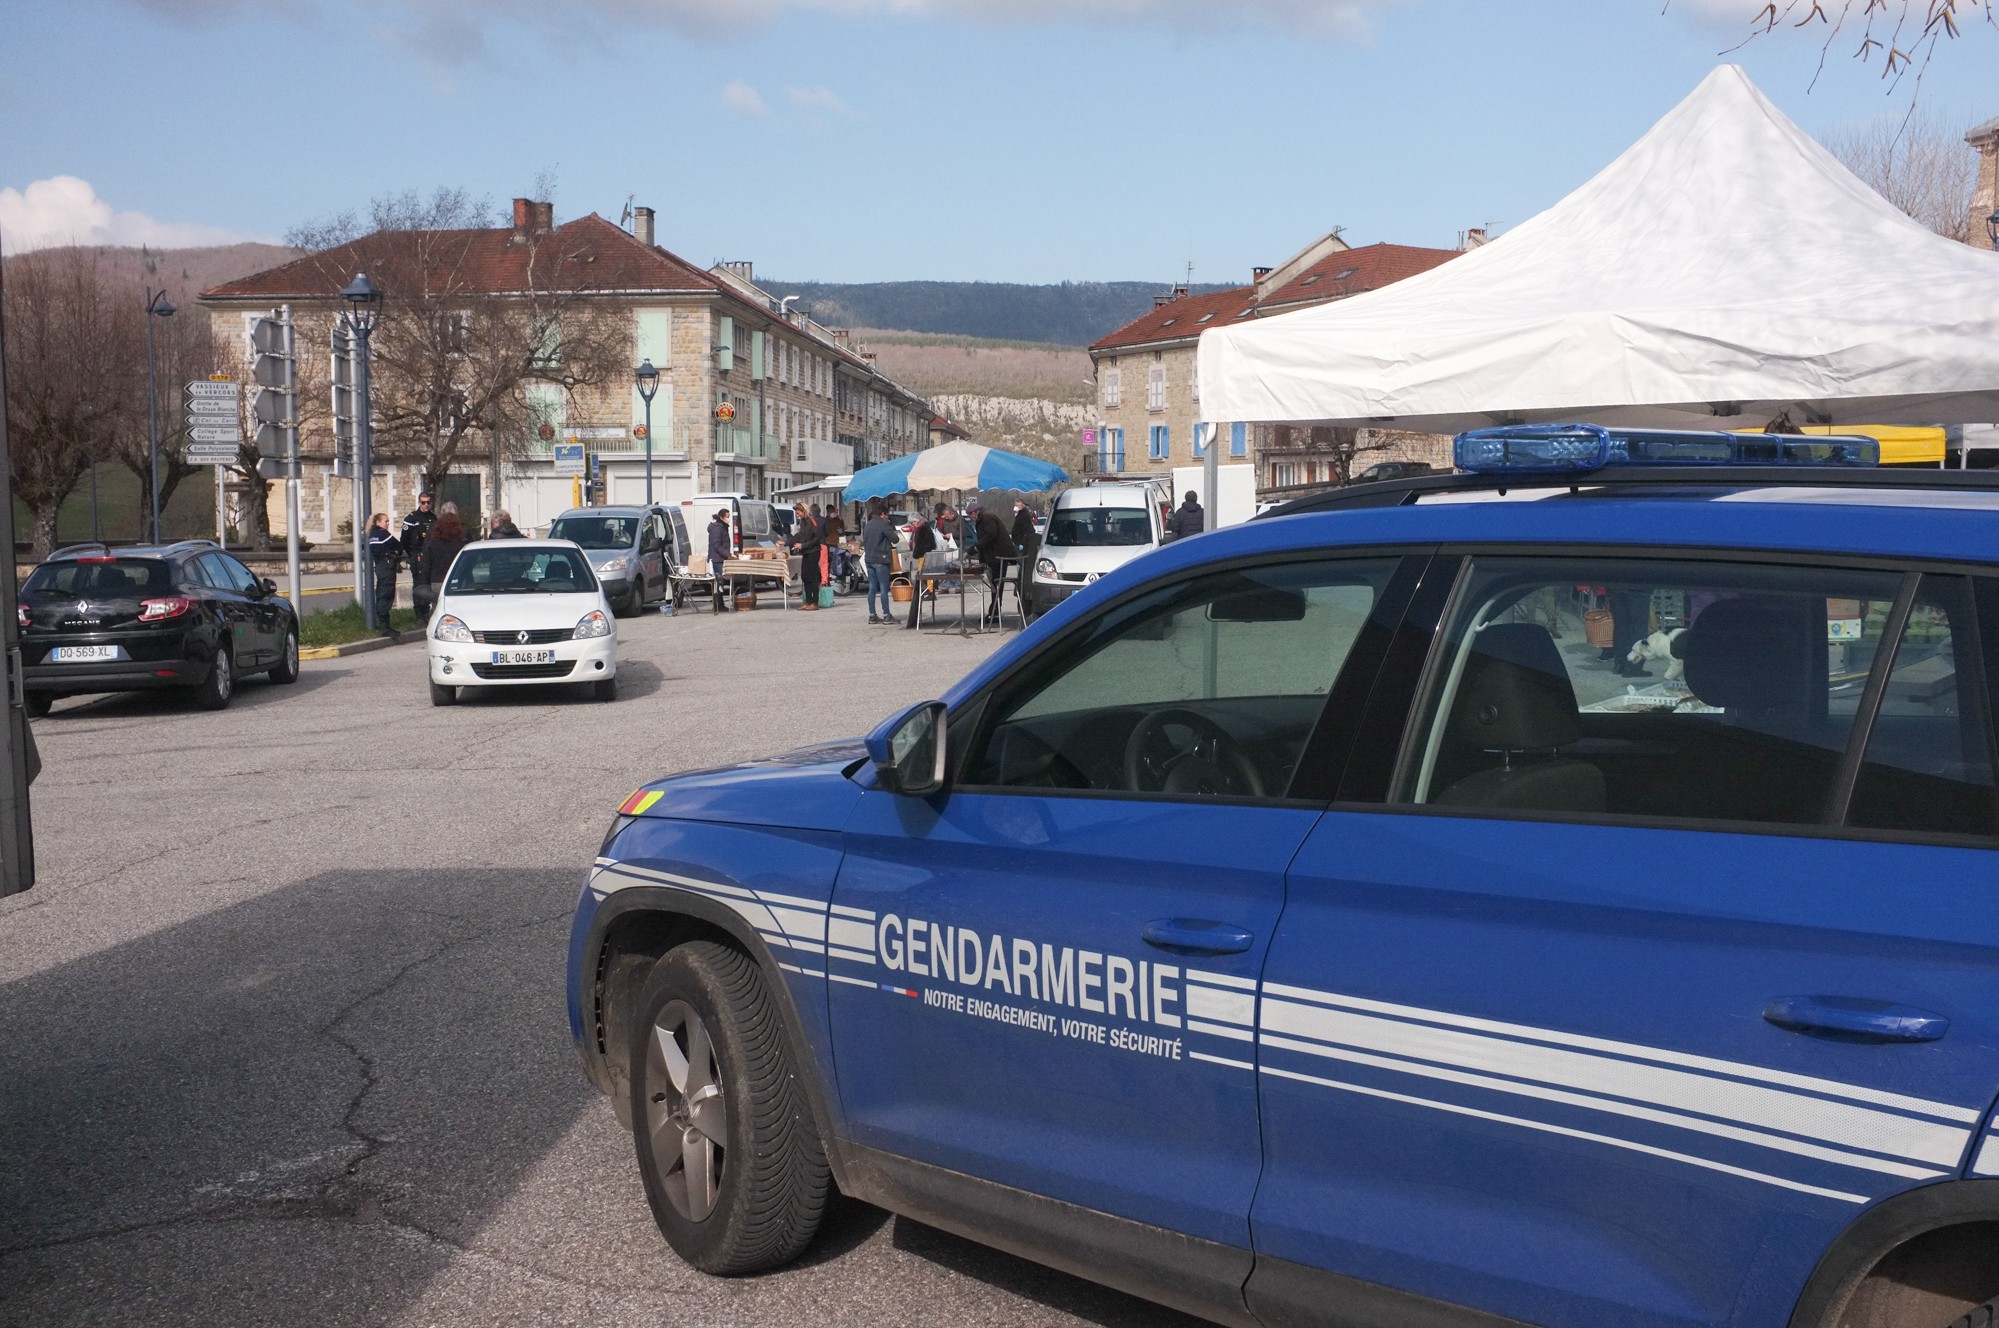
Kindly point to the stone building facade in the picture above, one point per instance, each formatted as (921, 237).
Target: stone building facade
(1148, 380)
(749, 400)
(1985, 198)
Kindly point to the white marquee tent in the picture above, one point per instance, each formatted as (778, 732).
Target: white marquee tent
(1724, 269)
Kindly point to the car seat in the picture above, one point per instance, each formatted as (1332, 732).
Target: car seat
(1515, 699)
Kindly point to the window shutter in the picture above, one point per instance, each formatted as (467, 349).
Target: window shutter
(1238, 439)
(757, 344)
(725, 344)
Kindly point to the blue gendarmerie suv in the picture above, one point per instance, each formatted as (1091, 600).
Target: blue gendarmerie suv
(1560, 893)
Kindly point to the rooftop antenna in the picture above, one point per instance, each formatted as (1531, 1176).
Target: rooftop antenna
(625, 217)
(1190, 274)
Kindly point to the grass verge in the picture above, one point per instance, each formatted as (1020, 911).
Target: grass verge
(338, 626)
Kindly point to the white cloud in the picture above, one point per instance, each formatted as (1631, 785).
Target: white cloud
(740, 96)
(66, 210)
(818, 99)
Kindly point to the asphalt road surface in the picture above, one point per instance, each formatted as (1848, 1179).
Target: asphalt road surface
(281, 1030)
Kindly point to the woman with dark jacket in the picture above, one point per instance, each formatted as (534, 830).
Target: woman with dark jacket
(808, 537)
(718, 553)
(878, 548)
(385, 559)
(447, 536)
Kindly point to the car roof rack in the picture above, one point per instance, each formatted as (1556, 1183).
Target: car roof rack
(82, 548)
(1635, 479)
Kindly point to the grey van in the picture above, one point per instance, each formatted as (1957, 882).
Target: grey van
(629, 548)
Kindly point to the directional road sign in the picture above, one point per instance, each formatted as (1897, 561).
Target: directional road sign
(216, 434)
(208, 388)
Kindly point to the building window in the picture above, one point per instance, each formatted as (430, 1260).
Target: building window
(1113, 389)
(1155, 388)
(1159, 445)
(1110, 451)
(1201, 432)
(1238, 439)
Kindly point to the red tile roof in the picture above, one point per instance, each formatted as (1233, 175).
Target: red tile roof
(586, 254)
(1352, 271)
(1186, 317)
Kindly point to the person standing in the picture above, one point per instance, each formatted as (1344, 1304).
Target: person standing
(878, 549)
(446, 537)
(416, 528)
(1190, 519)
(503, 526)
(385, 558)
(718, 554)
(1023, 525)
(808, 539)
(995, 546)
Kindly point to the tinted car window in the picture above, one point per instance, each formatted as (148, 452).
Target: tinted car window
(233, 574)
(1929, 755)
(518, 570)
(1085, 526)
(1705, 691)
(1209, 687)
(119, 578)
(597, 532)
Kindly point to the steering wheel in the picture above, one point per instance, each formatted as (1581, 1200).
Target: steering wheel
(1211, 762)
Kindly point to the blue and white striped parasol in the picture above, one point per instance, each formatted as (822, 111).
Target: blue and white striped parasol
(954, 465)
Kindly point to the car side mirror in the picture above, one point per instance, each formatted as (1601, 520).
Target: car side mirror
(270, 586)
(908, 750)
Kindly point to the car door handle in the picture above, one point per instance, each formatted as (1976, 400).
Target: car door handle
(1860, 1020)
(1196, 936)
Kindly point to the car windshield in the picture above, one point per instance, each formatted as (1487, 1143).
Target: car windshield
(597, 532)
(1076, 527)
(519, 570)
(101, 578)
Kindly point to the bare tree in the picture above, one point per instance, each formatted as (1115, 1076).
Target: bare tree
(1918, 163)
(181, 352)
(73, 349)
(457, 364)
(1903, 34)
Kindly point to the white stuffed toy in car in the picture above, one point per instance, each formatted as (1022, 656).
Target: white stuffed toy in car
(1660, 645)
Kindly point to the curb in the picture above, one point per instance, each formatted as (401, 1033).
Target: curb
(360, 647)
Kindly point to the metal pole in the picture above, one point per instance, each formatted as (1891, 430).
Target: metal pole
(17, 743)
(292, 578)
(648, 401)
(364, 464)
(1211, 478)
(152, 422)
(96, 529)
(221, 505)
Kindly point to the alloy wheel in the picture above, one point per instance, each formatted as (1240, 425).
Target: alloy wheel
(686, 1117)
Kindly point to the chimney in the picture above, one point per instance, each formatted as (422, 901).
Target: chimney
(523, 219)
(741, 267)
(1257, 274)
(1474, 238)
(841, 335)
(544, 217)
(642, 226)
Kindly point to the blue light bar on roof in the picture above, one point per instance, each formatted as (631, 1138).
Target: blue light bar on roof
(1555, 449)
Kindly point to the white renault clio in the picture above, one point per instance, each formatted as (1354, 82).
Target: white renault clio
(521, 612)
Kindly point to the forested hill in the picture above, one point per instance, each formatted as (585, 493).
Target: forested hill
(1074, 313)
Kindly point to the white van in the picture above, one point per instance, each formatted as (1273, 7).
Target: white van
(1094, 529)
(750, 519)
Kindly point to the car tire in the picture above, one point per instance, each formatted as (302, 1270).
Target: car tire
(1984, 1316)
(214, 691)
(286, 669)
(604, 689)
(709, 1059)
(37, 704)
(441, 695)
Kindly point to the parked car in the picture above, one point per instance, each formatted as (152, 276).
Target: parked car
(518, 613)
(1394, 470)
(1320, 922)
(186, 615)
(1093, 530)
(631, 549)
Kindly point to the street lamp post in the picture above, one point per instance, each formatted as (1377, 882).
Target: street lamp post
(647, 379)
(157, 306)
(364, 311)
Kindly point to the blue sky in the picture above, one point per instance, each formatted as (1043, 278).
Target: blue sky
(862, 140)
